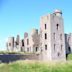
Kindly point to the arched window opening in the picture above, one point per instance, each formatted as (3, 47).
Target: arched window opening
(9, 44)
(58, 54)
(54, 47)
(69, 49)
(45, 36)
(22, 42)
(45, 26)
(45, 47)
(57, 26)
(54, 35)
(36, 49)
(61, 47)
(27, 41)
(27, 49)
(61, 36)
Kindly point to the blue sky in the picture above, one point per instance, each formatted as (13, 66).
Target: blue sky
(19, 16)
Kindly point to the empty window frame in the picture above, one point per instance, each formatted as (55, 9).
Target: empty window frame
(45, 47)
(61, 47)
(45, 35)
(36, 49)
(27, 49)
(45, 26)
(54, 47)
(54, 35)
(27, 41)
(58, 54)
(22, 42)
(57, 26)
(60, 36)
(9, 44)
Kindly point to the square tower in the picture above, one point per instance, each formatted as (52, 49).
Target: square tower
(52, 37)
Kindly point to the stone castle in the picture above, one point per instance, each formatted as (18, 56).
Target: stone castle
(50, 42)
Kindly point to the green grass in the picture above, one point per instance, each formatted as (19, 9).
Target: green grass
(69, 57)
(36, 66)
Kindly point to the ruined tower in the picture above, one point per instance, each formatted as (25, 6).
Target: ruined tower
(53, 39)
(10, 44)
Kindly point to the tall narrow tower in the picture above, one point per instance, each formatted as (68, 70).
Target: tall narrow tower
(53, 40)
(18, 39)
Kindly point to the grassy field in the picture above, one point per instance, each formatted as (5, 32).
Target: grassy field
(36, 66)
